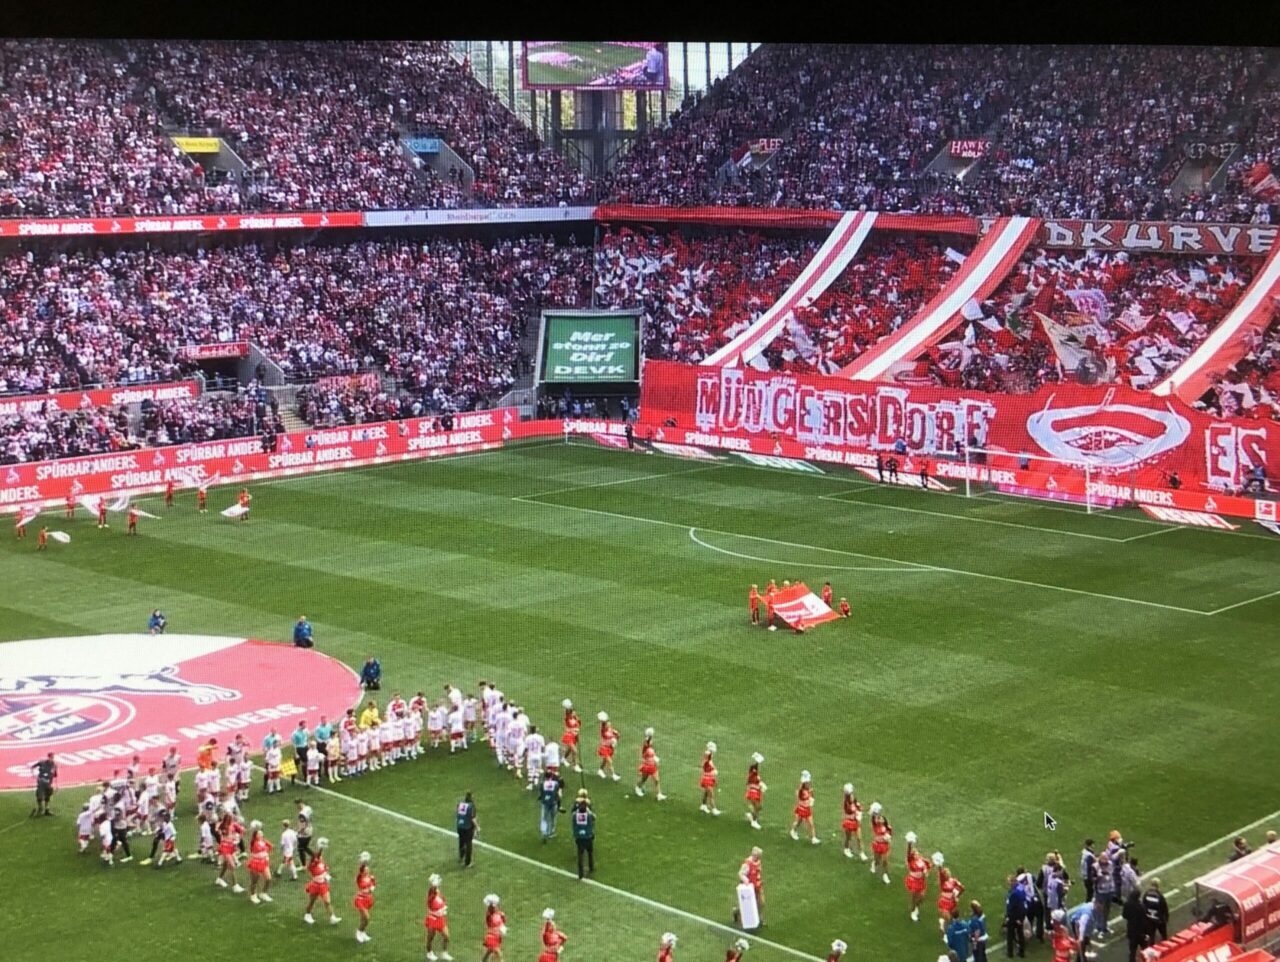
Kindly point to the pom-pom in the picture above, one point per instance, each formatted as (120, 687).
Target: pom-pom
(848, 788)
(912, 838)
(711, 747)
(805, 776)
(757, 758)
(603, 716)
(648, 733)
(742, 945)
(875, 808)
(365, 858)
(322, 843)
(938, 860)
(566, 704)
(668, 938)
(548, 914)
(255, 826)
(491, 900)
(838, 946)
(433, 881)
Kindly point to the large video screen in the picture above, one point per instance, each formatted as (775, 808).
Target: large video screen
(589, 347)
(595, 65)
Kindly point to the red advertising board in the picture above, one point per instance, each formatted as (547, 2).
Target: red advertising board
(124, 394)
(242, 459)
(209, 352)
(108, 226)
(1130, 440)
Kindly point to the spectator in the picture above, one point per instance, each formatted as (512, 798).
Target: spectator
(1239, 849)
(1104, 891)
(371, 674)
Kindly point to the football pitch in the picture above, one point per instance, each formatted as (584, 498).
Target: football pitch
(586, 62)
(1005, 658)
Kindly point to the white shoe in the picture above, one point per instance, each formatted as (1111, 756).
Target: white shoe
(715, 811)
(602, 774)
(362, 936)
(873, 869)
(661, 797)
(915, 915)
(308, 919)
(220, 882)
(334, 920)
(755, 825)
(815, 840)
(446, 957)
(793, 835)
(848, 853)
(885, 876)
(238, 889)
(254, 899)
(577, 769)
(704, 810)
(862, 855)
(432, 957)
(639, 792)
(266, 898)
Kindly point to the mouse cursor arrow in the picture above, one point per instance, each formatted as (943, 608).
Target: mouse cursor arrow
(1050, 822)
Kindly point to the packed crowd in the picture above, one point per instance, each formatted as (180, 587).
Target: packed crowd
(211, 417)
(1112, 317)
(47, 433)
(1251, 388)
(697, 293)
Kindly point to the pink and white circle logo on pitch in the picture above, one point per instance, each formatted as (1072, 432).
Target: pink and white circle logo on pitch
(97, 701)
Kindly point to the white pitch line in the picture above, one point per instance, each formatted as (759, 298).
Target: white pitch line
(871, 557)
(976, 519)
(606, 484)
(565, 873)
(1152, 873)
(1241, 604)
(801, 564)
(1152, 534)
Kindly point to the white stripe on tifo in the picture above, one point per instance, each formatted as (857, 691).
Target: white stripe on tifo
(800, 564)
(565, 873)
(873, 557)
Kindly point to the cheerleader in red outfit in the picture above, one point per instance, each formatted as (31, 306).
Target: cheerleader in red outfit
(881, 840)
(649, 766)
(755, 790)
(667, 947)
(949, 892)
(569, 740)
(228, 855)
(437, 921)
(708, 780)
(852, 823)
(318, 886)
(495, 927)
(736, 951)
(608, 745)
(917, 880)
(553, 939)
(259, 864)
(804, 809)
(363, 902)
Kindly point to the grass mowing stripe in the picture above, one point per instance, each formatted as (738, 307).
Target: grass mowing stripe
(565, 873)
(872, 557)
(1188, 856)
(693, 536)
(642, 477)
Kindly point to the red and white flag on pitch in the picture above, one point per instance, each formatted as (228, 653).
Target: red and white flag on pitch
(801, 608)
(26, 514)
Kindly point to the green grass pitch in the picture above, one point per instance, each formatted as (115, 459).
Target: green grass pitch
(1004, 658)
(594, 60)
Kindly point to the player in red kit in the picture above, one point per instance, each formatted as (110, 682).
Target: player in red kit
(708, 780)
(318, 886)
(572, 733)
(827, 594)
(363, 902)
(667, 947)
(495, 927)
(437, 921)
(42, 539)
(259, 864)
(755, 791)
(70, 507)
(608, 745)
(202, 500)
(753, 604)
(553, 939)
(168, 495)
(949, 891)
(852, 823)
(845, 610)
(917, 880)
(102, 512)
(804, 809)
(133, 520)
(1064, 945)
(881, 841)
(243, 500)
(768, 610)
(20, 528)
(648, 768)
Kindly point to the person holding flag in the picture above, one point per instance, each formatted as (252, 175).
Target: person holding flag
(42, 539)
(755, 790)
(168, 494)
(753, 604)
(20, 527)
(133, 521)
(844, 609)
(769, 594)
(102, 513)
(827, 594)
(243, 500)
(70, 507)
(708, 781)
(202, 500)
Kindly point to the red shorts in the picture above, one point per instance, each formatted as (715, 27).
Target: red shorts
(916, 886)
(648, 770)
(493, 940)
(273, 773)
(850, 825)
(804, 811)
(880, 848)
(435, 924)
(569, 738)
(364, 902)
(605, 751)
(548, 955)
(754, 794)
(946, 906)
(318, 889)
(456, 736)
(259, 866)
(708, 781)
(226, 848)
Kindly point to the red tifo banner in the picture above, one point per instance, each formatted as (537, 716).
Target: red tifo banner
(124, 394)
(1130, 440)
(240, 460)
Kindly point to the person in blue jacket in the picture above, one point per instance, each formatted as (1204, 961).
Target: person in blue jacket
(157, 622)
(302, 633)
(371, 675)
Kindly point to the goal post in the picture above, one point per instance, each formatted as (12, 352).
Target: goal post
(1042, 478)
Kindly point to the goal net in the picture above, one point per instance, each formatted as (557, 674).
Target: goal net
(1094, 488)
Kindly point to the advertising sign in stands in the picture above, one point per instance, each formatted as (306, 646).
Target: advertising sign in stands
(124, 394)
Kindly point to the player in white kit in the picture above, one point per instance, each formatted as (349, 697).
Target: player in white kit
(534, 747)
(272, 759)
(84, 828)
(288, 852)
(471, 718)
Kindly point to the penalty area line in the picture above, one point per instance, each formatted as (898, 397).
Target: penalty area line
(565, 873)
(693, 536)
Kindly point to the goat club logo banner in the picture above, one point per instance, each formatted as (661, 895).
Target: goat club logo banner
(97, 701)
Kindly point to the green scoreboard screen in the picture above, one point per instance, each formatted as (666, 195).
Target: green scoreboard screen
(589, 347)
